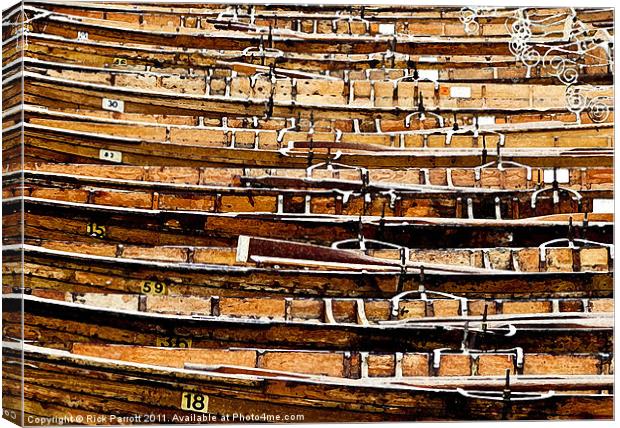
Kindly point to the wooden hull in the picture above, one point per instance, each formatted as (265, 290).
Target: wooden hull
(58, 324)
(314, 91)
(276, 197)
(226, 40)
(64, 146)
(378, 136)
(100, 54)
(500, 69)
(68, 221)
(93, 386)
(514, 179)
(81, 273)
(59, 92)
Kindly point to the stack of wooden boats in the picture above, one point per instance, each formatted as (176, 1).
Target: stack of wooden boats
(306, 213)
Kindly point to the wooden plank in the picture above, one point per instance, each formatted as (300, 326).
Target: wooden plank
(61, 323)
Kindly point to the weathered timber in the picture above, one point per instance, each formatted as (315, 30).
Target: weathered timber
(59, 324)
(62, 25)
(59, 92)
(420, 308)
(68, 271)
(252, 78)
(329, 197)
(549, 257)
(439, 179)
(361, 20)
(68, 221)
(380, 368)
(308, 11)
(53, 377)
(139, 57)
(349, 213)
(321, 90)
(279, 133)
(61, 145)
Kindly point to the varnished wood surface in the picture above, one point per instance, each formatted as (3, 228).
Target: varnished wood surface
(68, 221)
(58, 324)
(65, 271)
(353, 213)
(326, 198)
(343, 401)
(59, 145)
(102, 53)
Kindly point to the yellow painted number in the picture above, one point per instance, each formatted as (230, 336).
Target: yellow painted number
(94, 230)
(195, 402)
(173, 342)
(119, 61)
(154, 287)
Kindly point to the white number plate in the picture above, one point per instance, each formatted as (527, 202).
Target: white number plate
(113, 105)
(486, 120)
(111, 155)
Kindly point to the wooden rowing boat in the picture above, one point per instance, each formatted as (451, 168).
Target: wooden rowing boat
(58, 324)
(510, 178)
(240, 80)
(423, 306)
(500, 68)
(326, 198)
(97, 29)
(68, 221)
(558, 256)
(67, 271)
(364, 20)
(61, 145)
(289, 134)
(93, 383)
(44, 90)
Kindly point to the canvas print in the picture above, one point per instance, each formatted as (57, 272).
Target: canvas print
(293, 213)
